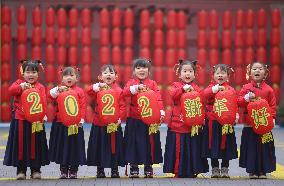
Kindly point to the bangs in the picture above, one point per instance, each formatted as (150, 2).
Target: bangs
(141, 63)
(30, 66)
(110, 67)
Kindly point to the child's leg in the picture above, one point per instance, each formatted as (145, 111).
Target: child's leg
(225, 169)
(215, 168)
(21, 171)
(100, 172)
(148, 171)
(64, 171)
(73, 171)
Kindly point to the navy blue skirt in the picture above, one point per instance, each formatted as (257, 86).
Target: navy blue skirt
(11, 157)
(64, 149)
(255, 156)
(99, 148)
(137, 143)
(230, 150)
(190, 163)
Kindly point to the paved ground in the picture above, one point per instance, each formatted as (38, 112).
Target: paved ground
(87, 174)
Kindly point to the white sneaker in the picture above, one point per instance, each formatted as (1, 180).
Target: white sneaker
(215, 172)
(21, 176)
(36, 175)
(225, 172)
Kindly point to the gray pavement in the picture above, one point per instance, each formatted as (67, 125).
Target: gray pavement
(87, 174)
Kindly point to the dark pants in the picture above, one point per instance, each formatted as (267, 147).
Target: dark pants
(215, 163)
(65, 168)
(147, 168)
(22, 168)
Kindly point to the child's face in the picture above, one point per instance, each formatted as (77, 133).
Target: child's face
(187, 74)
(141, 72)
(220, 76)
(257, 72)
(108, 76)
(70, 79)
(30, 76)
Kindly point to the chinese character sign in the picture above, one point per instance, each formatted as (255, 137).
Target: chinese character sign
(192, 108)
(260, 117)
(225, 107)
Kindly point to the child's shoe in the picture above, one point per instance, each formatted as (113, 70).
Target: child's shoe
(215, 172)
(72, 174)
(148, 171)
(134, 171)
(225, 172)
(36, 175)
(21, 176)
(253, 176)
(100, 172)
(262, 176)
(114, 173)
(64, 174)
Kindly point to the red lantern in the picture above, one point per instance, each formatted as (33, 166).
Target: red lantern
(261, 37)
(239, 57)
(5, 53)
(86, 38)
(6, 72)
(62, 17)
(158, 57)
(86, 74)
(202, 19)
(50, 54)
(116, 55)
(213, 57)
(49, 35)
(108, 106)
(73, 36)
(61, 55)
(36, 16)
(181, 20)
(249, 38)
(158, 19)
(226, 39)
(73, 56)
(128, 18)
(86, 55)
(261, 18)
(104, 36)
(240, 19)
(202, 57)
(116, 17)
(201, 39)
(171, 57)
(145, 38)
(61, 36)
(22, 15)
(6, 34)
(145, 53)
(275, 56)
(145, 19)
(116, 36)
(128, 37)
(275, 73)
(73, 17)
(250, 18)
(21, 52)
(192, 108)
(50, 74)
(181, 39)
(227, 57)
(171, 39)
(6, 15)
(127, 55)
(171, 19)
(181, 54)
(86, 17)
(158, 75)
(260, 116)
(213, 39)
(22, 34)
(36, 52)
(104, 55)
(5, 97)
(249, 55)
(261, 54)
(33, 105)
(147, 107)
(275, 18)
(104, 18)
(36, 38)
(239, 38)
(158, 38)
(50, 17)
(227, 19)
(275, 36)
(69, 112)
(213, 17)
(225, 107)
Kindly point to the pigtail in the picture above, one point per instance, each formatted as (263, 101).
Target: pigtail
(177, 66)
(248, 71)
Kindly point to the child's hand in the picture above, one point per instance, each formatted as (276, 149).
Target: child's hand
(25, 85)
(141, 87)
(187, 87)
(81, 122)
(249, 96)
(163, 114)
(62, 88)
(215, 88)
(101, 85)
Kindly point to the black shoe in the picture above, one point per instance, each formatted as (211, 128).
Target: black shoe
(134, 171)
(148, 171)
(64, 174)
(114, 173)
(101, 173)
(72, 174)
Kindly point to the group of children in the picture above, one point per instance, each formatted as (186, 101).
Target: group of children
(187, 148)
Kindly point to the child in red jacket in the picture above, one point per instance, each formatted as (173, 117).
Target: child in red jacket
(68, 148)
(137, 139)
(257, 157)
(183, 146)
(27, 145)
(105, 148)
